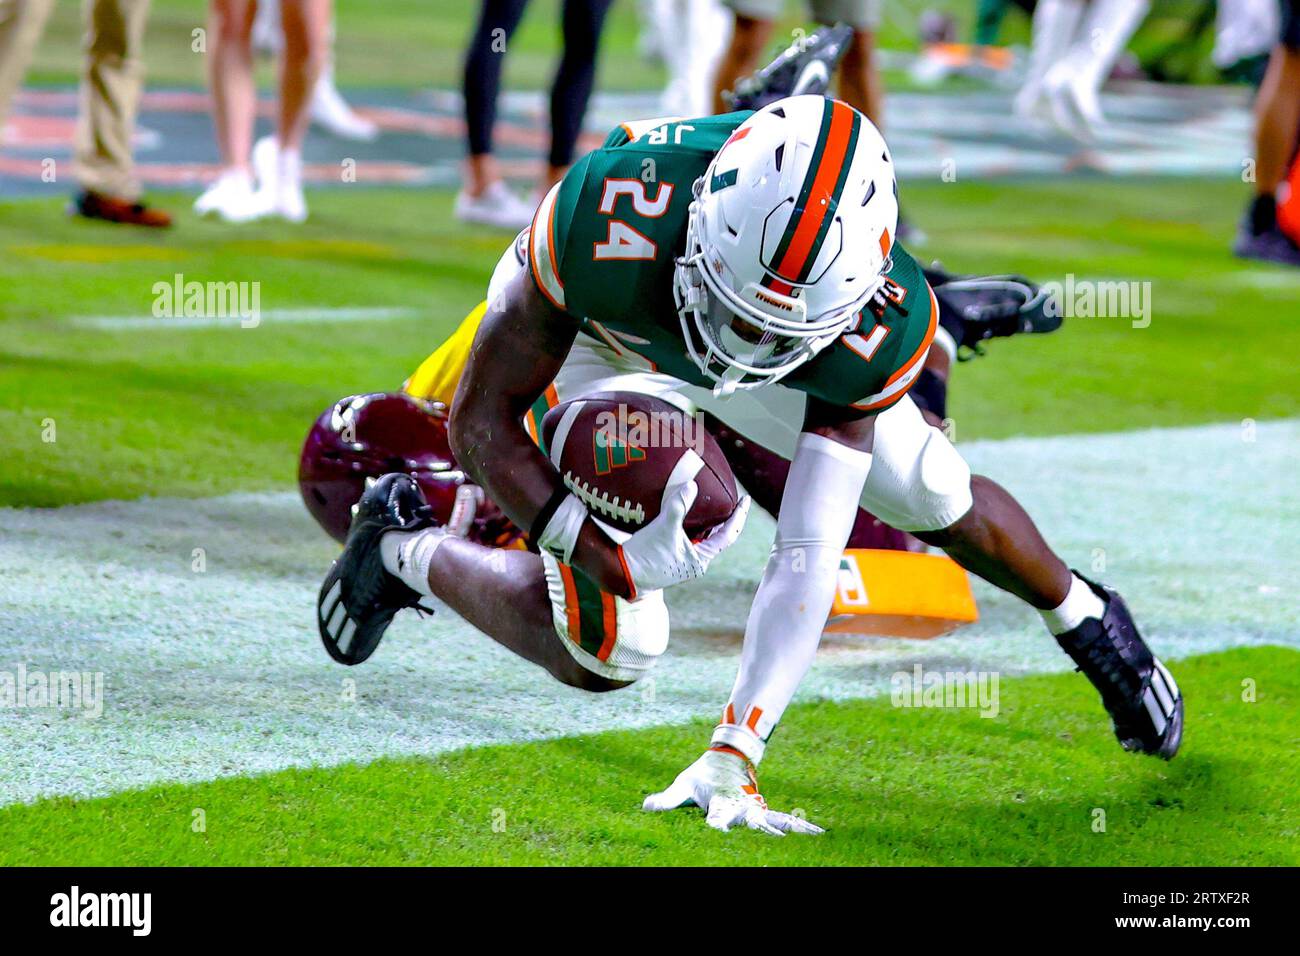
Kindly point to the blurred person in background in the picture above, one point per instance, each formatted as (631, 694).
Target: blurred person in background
(689, 36)
(1272, 226)
(859, 79)
(275, 160)
(112, 78)
(1076, 44)
(1271, 230)
(1245, 32)
(484, 198)
(989, 15)
(328, 108)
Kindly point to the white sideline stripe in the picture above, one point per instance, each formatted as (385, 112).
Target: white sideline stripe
(115, 323)
(1270, 277)
(222, 673)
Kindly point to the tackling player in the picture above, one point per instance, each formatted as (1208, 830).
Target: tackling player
(745, 264)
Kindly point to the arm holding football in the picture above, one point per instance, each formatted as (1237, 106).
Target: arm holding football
(790, 609)
(519, 349)
(662, 554)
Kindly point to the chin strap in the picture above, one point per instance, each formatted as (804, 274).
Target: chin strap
(726, 385)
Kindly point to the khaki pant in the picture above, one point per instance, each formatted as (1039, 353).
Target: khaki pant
(111, 80)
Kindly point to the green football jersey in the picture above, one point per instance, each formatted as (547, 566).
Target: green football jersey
(604, 244)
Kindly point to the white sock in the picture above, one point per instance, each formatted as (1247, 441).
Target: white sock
(289, 166)
(1106, 31)
(1080, 604)
(408, 554)
(1055, 23)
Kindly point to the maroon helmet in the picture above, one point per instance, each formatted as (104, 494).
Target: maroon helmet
(365, 436)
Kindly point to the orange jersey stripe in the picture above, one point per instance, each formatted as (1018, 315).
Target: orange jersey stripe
(925, 342)
(610, 618)
(571, 604)
(917, 357)
(550, 250)
(532, 421)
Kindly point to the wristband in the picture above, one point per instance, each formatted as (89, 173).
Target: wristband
(739, 738)
(559, 536)
(548, 512)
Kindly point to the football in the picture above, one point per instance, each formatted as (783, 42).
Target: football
(617, 452)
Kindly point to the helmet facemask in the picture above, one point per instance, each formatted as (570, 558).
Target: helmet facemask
(748, 339)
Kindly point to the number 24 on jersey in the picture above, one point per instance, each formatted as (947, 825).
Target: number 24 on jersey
(624, 241)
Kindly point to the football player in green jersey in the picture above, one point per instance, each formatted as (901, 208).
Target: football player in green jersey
(744, 265)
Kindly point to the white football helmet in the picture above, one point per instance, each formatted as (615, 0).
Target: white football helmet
(789, 237)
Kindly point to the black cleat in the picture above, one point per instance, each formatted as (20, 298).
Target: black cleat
(1137, 690)
(974, 309)
(1271, 245)
(359, 598)
(805, 67)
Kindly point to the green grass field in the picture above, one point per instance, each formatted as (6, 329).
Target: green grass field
(1041, 784)
(161, 410)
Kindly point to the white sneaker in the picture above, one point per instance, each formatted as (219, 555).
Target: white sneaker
(265, 159)
(498, 206)
(230, 198)
(279, 179)
(1074, 108)
(1030, 104)
(330, 110)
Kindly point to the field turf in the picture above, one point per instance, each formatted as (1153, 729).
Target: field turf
(198, 412)
(1043, 783)
(162, 410)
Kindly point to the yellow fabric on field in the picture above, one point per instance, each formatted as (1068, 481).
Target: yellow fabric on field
(438, 375)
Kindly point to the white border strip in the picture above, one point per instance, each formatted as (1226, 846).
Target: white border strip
(116, 323)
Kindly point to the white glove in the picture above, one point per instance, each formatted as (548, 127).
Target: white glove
(662, 554)
(725, 786)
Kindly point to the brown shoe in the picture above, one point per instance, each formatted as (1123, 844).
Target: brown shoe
(95, 205)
